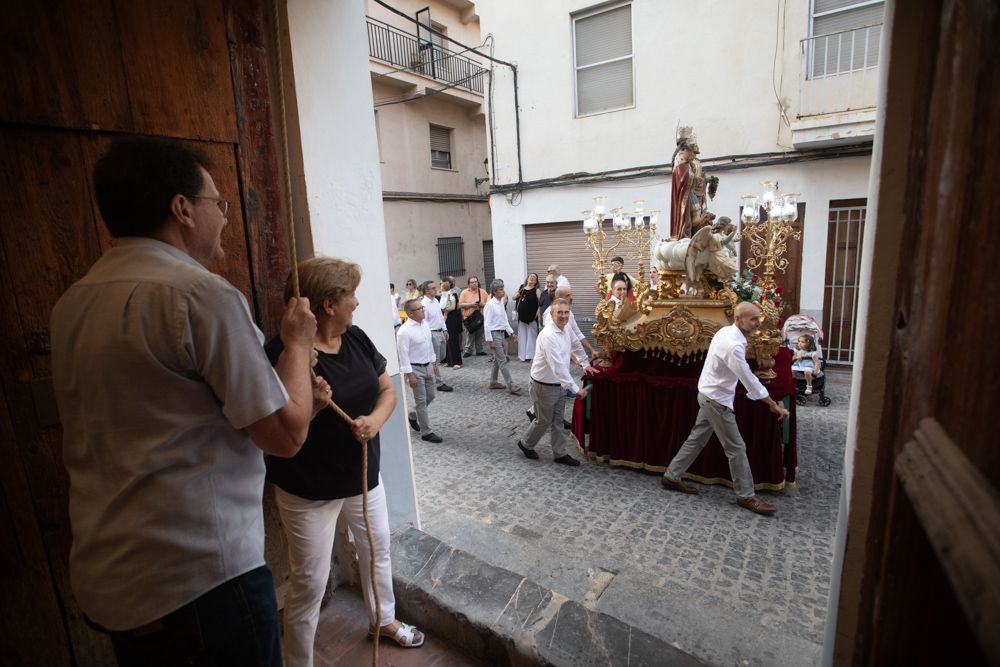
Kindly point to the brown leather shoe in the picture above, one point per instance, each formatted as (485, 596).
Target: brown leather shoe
(677, 485)
(755, 504)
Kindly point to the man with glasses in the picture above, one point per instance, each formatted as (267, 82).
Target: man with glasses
(166, 400)
(416, 358)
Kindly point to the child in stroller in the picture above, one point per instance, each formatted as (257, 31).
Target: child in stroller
(808, 363)
(806, 359)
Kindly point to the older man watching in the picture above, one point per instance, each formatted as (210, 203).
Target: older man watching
(167, 400)
(725, 365)
(550, 379)
(415, 347)
(498, 326)
(561, 280)
(435, 320)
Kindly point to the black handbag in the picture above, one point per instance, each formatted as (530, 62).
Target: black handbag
(474, 322)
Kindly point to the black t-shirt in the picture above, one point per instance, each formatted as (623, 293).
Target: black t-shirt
(329, 464)
(527, 306)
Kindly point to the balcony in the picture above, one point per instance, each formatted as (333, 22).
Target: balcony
(405, 54)
(838, 88)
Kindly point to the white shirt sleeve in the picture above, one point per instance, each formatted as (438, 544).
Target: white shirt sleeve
(403, 348)
(737, 362)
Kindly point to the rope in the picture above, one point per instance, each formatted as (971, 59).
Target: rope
(293, 251)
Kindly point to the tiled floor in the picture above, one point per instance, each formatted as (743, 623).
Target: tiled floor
(342, 640)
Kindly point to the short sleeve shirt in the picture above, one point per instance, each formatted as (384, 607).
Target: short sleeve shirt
(158, 369)
(329, 464)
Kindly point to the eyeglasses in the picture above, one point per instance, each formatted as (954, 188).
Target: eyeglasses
(416, 310)
(223, 204)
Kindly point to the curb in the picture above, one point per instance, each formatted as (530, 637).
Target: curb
(503, 618)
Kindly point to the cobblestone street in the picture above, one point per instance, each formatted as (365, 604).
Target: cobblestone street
(728, 586)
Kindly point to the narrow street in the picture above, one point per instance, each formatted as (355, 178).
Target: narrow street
(729, 586)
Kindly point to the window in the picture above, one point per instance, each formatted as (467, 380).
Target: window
(845, 36)
(440, 147)
(451, 256)
(602, 45)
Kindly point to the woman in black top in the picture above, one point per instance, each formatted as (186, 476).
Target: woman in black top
(324, 478)
(527, 317)
(452, 322)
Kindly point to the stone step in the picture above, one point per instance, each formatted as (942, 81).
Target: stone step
(342, 640)
(503, 618)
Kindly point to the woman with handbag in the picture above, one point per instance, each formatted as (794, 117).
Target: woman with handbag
(471, 301)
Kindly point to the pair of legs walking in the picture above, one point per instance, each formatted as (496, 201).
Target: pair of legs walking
(550, 402)
(717, 418)
(423, 394)
(499, 365)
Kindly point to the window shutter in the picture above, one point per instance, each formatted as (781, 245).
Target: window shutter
(440, 139)
(604, 36)
(603, 44)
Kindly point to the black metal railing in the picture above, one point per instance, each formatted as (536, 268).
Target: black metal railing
(403, 50)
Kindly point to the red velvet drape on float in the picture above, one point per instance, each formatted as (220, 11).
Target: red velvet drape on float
(641, 410)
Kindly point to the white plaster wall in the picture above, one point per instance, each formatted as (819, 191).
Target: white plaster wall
(406, 145)
(339, 150)
(412, 229)
(711, 65)
(343, 185)
(819, 182)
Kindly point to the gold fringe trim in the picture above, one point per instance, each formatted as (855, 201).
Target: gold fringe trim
(622, 463)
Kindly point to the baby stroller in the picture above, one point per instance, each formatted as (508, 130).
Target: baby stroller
(795, 326)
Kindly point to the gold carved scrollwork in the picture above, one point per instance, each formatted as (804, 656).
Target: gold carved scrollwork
(679, 332)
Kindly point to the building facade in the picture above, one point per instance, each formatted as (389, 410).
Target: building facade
(428, 94)
(780, 90)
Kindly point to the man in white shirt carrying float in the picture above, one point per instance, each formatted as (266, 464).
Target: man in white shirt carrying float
(725, 364)
(416, 361)
(497, 325)
(550, 378)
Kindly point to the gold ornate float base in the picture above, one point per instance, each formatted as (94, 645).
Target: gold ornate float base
(668, 322)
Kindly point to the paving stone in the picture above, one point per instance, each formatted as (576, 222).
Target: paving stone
(553, 524)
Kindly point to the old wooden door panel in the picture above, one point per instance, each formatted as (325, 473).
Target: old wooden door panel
(62, 65)
(33, 635)
(48, 237)
(177, 66)
(251, 33)
(943, 363)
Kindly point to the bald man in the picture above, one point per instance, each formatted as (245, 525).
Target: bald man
(725, 365)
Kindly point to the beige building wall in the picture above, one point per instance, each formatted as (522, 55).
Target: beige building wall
(424, 203)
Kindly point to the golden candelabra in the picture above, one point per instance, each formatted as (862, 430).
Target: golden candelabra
(768, 243)
(631, 231)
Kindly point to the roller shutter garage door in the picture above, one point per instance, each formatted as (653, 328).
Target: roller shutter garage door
(565, 244)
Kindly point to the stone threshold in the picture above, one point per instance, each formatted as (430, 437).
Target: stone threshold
(503, 618)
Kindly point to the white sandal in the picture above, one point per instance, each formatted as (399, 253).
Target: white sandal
(406, 635)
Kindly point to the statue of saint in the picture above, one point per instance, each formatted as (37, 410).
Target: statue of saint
(687, 193)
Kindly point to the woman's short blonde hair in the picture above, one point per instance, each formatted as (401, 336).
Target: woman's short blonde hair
(322, 278)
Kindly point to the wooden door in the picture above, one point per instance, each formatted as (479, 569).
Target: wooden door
(75, 74)
(929, 590)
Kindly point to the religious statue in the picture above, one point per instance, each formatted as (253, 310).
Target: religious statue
(687, 193)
